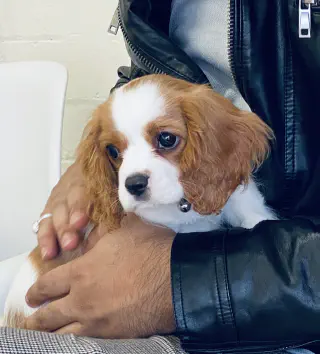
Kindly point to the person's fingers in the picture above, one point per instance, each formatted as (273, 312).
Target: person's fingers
(51, 285)
(75, 328)
(47, 239)
(51, 317)
(67, 238)
(79, 219)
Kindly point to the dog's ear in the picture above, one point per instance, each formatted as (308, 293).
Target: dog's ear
(101, 177)
(224, 145)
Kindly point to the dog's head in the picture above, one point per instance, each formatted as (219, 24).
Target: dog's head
(158, 140)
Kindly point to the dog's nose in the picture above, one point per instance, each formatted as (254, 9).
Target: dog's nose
(137, 184)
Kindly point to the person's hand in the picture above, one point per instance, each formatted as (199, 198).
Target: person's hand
(120, 288)
(68, 205)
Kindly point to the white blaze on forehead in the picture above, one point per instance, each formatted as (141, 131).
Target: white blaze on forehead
(133, 109)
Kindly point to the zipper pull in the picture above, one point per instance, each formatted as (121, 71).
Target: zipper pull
(305, 18)
(114, 24)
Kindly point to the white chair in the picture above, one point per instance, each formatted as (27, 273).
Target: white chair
(32, 98)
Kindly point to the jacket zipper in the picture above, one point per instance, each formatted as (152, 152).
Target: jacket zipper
(306, 7)
(231, 20)
(150, 65)
(116, 22)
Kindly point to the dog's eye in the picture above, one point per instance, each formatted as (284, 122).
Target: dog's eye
(167, 141)
(112, 151)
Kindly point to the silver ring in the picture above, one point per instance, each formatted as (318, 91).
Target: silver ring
(36, 224)
(87, 231)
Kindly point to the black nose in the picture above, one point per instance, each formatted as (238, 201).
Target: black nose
(137, 184)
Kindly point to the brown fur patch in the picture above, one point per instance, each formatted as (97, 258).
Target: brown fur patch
(222, 144)
(99, 170)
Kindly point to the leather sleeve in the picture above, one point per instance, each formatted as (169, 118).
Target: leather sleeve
(241, 286)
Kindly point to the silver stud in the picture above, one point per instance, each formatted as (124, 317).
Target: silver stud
(184, 205)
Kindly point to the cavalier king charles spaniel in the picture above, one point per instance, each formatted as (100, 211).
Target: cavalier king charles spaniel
(174, 153)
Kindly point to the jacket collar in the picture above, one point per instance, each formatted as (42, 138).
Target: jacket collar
(145, 25)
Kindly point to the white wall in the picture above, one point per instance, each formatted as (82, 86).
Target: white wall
(74, 33)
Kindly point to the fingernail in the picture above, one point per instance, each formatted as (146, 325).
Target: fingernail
(27, 300)
(66, 239)
(44, 253)
(75, 217)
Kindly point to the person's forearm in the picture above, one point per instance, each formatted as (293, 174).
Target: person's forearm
(248, 285)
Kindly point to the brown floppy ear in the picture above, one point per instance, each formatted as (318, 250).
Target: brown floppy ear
(101, 178)
(224, 145)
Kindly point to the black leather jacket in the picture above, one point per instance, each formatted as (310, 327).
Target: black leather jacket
(258, 290)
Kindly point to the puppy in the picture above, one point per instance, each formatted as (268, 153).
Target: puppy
(174, 153)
